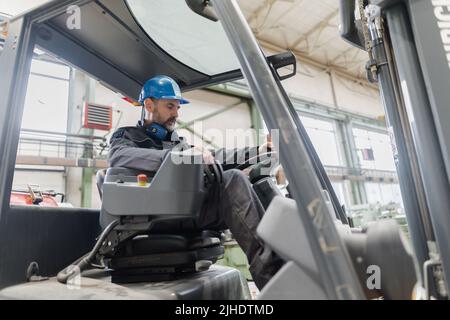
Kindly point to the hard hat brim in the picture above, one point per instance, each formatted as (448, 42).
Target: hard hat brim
(180, 99)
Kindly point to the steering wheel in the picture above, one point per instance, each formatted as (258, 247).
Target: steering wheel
(257, 170)
(213, 173)
(248, 162)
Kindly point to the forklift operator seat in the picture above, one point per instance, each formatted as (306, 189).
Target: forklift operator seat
(160, 212)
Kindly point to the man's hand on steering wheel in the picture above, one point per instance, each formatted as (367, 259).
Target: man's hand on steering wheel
(208, 158)
(212, 168)
(266, 147)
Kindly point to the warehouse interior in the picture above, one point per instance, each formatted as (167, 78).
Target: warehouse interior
(340, 109)
(346, 98)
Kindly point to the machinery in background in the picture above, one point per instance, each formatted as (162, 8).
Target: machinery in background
(35, 197)
(362, 215)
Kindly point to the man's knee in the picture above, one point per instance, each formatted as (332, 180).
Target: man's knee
(235, 175)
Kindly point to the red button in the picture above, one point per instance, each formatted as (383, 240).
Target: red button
(142, 179)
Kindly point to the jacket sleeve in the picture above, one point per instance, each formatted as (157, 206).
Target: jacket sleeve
(125, 153)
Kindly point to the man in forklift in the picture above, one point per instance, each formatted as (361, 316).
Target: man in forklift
(232, 204)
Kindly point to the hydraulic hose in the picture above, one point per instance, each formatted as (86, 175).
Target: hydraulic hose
(85, 261)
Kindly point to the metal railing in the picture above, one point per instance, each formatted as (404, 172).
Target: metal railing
(360, 174)
(54, 148)
(37, 147)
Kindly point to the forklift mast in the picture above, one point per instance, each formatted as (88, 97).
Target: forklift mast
(408, 45)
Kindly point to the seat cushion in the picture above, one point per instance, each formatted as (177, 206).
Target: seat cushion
(154, 243)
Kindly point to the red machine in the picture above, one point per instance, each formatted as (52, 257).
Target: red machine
(34, 197)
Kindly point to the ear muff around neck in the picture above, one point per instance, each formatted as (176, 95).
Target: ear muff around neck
(157, 131)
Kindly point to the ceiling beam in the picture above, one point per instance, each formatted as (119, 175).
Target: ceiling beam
(259, 10)
(312, 47)
(324, 22)
(274, 23)
(342, 54)
(352, 62)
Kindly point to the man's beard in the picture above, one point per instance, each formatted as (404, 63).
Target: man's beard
(170, 124)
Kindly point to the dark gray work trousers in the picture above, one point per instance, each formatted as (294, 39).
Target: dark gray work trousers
(234, 205)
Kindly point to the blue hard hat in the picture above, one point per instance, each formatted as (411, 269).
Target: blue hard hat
(161, 87)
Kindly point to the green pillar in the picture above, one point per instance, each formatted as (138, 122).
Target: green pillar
(88, 152)
(257, 122)
(358, 190)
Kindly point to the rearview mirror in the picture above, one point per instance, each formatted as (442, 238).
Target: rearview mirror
(281, 61)
(203, 8)
(350, 29)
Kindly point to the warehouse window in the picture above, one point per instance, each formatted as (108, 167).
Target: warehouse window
(47, 97)
(339, 189)
(374, 150)
(384, 202)
(45, 112)
(383, 193)
(323, 136)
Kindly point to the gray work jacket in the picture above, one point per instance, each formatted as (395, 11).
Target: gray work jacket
(131, 147)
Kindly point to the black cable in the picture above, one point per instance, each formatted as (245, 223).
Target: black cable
(208, 175)
(246, 162)
(85, 261)
(219, 166)
(213, 172)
